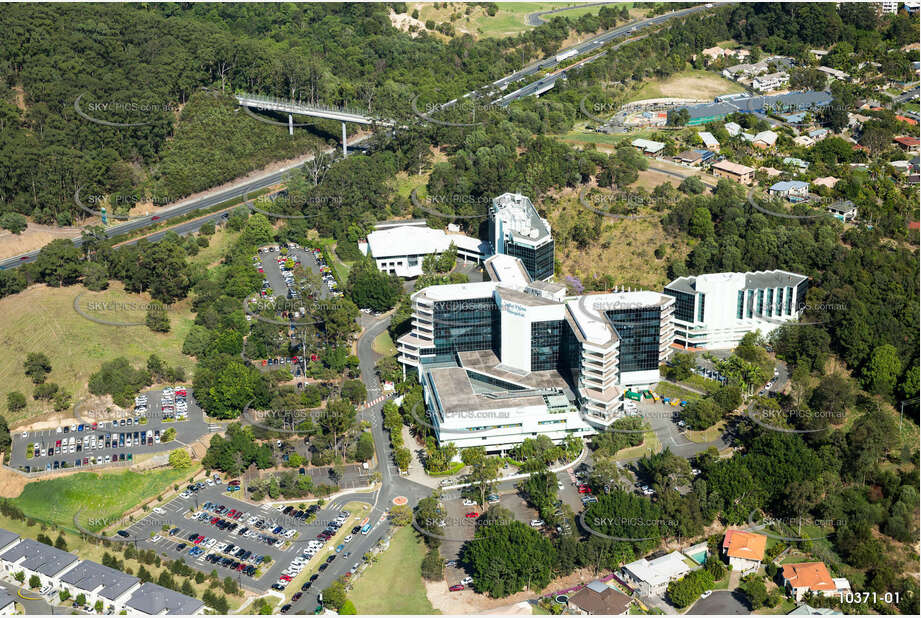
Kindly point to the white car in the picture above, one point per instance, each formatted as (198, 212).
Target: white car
(469, 502)
(185, 494)
(159, 511)
(348, 539)
(290, 533)
(537, 523)
(706, 593)
(155, 538)
(25, 434)
(466, 581)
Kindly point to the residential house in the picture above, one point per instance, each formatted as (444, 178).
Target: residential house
(7, 540)
(651, 577)
(153, 600)
(826, 181)
(7, 603)
(808, 610)
(790, 189)
(771, 81)
(34, 558)
(745, 550)
(844, 210)
(710, 142)
(803, 577)
(100, 583)
(804, 141)
(835, 73)
(797, 163)
(907, 143)
(733, 129)
(648, 147)
(765, 139)
(597, 598)
(818, 134)
(733, 171)
(713, 53)
(689, 157)
(772, 172)
(902, 167)
(819, 53)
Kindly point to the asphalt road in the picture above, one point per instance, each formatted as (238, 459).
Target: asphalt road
(30, 600)
(721, 602)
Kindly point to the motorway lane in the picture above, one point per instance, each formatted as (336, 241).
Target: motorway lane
(240, 190)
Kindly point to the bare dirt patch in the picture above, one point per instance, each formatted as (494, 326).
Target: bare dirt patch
(34, 237)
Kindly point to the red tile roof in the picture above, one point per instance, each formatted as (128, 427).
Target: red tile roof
(742, 544)
(811, 575)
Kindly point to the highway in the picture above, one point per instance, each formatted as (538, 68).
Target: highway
(589, 45)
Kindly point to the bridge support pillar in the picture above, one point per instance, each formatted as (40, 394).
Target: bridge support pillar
(345, 147)
(290, 124)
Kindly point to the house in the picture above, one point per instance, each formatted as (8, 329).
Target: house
(902, 167)
(835, 73)
(153, 600)
(772, 172)
(818, 134)
(804, 141)
(400, 250)
(813, 577)
(818, 53)
(713, 53)
(597, 598)
(844, 210)
(733, 171)
(7, 540)
(907, 119)
(100, 583)
(808, 610)
(690, 157)
(907, 143)
(651, 577)
(34, 558)
(797, 163)
(771, 81)
(733, 129)
(790, 189)
(745, 550)
(915, 164)
(648, 147)
(7, 603)
(765, 139)
(710, 142)
(826, 181)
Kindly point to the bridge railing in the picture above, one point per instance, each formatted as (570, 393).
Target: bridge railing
(288, 105)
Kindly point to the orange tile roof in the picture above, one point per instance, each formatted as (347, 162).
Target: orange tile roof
(811, 575)
(741, 544)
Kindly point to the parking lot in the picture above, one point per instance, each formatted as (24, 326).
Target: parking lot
(209, 529)
(280, 280)
(94, 438)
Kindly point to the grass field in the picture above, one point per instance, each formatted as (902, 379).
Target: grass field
(100, 498)
(383, 345)
(707, 435)
(393, 585)
(670, 390)
(43, 319)
(510, 20)
(649, 446)
(691, 83)
(221, 241)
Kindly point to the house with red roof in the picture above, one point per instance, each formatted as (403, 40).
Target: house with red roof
(745, 550)
(803, 577)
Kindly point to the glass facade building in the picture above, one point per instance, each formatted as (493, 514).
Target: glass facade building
(638, 330)
(537, 261)
(464, 325)
(545, 344)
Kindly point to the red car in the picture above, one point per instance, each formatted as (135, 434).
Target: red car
(456, 588)
(285, 578)
(472, 514)
(585, 489)
(234, 482)
(157, 218)
(198, 540)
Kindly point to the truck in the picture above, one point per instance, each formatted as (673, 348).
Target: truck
(567, 54)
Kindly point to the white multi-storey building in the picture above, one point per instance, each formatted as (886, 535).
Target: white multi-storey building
(714, 311)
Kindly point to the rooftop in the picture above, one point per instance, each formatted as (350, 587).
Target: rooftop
(659, 571)
(598, 598)
(520, 218)
(742, 544)
(787, 185)
(418, 240)
(39, 557)
(733, 168)
(811, 575)
(588, 312)
(153, 600)
(89, 576)
(7, 537)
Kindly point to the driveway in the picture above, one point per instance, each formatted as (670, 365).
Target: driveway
(721, 602)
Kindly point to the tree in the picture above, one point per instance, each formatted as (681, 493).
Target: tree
(35, 582)
(701, 225)
(14, 222)
(507, 556)
(681, 366)
(61, 542)
(334, 595)
(686, 590)
(179, 459)
(80, 600)
(364, 451)
(883, 370)
(401, 515)
(37, 366)
(355, 391)
(347, 609)
(754, 589)
(433, 565)
(168, 434)
(156, 319)
(58, 263)
(701, 413)
(99, 606)
(15, 401)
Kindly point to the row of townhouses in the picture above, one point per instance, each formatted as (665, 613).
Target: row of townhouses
(64, 571)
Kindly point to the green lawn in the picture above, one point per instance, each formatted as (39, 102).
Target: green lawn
(394, 585)
(670, 390)
(76, 345)
(101, 499)
(383, 345)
